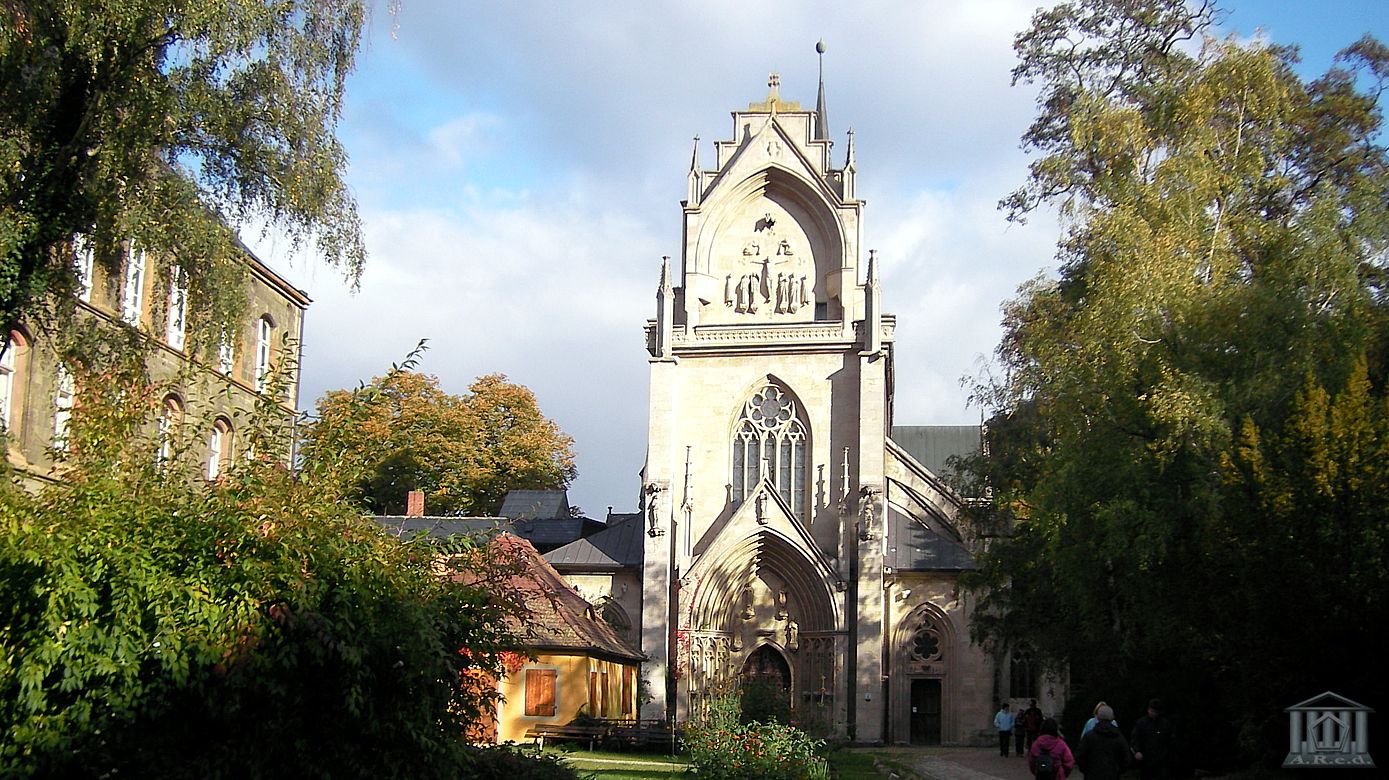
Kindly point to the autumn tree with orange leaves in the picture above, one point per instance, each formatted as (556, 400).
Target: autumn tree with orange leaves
(403, 432)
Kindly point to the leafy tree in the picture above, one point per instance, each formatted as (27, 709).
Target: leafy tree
(402, 432)
(156, 625)
(1162, 436)
(159, 122)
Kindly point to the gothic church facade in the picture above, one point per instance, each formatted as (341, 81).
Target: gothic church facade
(786, 534)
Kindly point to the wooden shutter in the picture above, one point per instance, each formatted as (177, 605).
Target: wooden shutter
(627, 674)
(540, 692)
(593, 694)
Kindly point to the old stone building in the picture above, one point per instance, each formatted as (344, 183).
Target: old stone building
(789, 530)
(210, 390)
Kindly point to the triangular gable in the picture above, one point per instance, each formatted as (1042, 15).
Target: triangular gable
(777, 518)
(1327, 701)
(752, 157)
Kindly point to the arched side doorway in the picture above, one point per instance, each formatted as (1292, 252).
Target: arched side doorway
(922, 687)
(760, 609)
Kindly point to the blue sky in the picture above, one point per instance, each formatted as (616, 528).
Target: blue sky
(519, 168)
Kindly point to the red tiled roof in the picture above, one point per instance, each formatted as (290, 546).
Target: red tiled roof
(559, 619)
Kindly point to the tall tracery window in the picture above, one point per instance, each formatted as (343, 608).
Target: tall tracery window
(1022, 677)
(769, 441)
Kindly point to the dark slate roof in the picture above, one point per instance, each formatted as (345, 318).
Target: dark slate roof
(934, 445)
(558, 620)
(440, 528)
(912, 546)
(618, 545)
(549, 533)
(531, 504)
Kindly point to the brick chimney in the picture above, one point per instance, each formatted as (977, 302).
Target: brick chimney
(414, 504)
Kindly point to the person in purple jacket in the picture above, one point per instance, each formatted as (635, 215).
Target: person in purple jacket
(1050, 744)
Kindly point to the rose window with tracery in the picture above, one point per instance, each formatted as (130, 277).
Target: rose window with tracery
(926, 646)
(770, 441)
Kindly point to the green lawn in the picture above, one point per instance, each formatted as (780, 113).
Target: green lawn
(605, 765)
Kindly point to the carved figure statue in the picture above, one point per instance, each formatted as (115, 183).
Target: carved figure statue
(781, 292)
(793, 635)
(793, 294)
(728, 290)
(805, 298)
(784, 249)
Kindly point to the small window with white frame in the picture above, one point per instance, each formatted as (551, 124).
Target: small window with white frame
(169, 419)
(176, 332)
(133, 297)
(219, 448)
(226, 354)
(9, 376)
(64, 398)
(83, 257)
(265, 334)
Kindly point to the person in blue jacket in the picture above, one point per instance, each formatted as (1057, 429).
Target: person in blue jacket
(1003, 721)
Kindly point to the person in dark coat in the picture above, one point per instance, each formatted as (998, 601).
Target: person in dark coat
(1152, 743)
(1103, 752)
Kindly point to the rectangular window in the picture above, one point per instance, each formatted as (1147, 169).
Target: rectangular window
(83, 257)
(226, 356)
(263, 336)
(62, 407)
(178, 311)
(133, 302)
(540, 693)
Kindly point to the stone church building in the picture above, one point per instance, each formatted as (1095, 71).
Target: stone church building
(787, 529)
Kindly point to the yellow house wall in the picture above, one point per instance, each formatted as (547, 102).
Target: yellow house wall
(571, 694)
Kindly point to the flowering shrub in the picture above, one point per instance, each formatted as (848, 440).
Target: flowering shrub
(722, 748)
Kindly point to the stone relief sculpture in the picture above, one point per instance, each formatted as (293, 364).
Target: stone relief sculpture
(784, 290)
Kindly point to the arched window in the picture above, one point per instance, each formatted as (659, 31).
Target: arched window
(769, 441)
(265, 331)
(219, 447)
(169, 418)
(1022, 676)
(10, 380)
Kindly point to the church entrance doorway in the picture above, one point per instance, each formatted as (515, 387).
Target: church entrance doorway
(766, 686)
(925, 725)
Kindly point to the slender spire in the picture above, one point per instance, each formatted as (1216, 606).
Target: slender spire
(822, 122)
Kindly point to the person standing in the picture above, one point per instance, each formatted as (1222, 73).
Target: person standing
(1152, 743)
(1103, 752)
(1003, 721)
(1049, 758)
(1019, 733)
(1031, 723)
(1090, 724)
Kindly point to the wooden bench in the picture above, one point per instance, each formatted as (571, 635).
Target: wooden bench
(589, 734)
(645, 734)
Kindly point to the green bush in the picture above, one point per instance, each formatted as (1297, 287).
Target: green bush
(508, 762)
(724, 748)
(152, 624)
